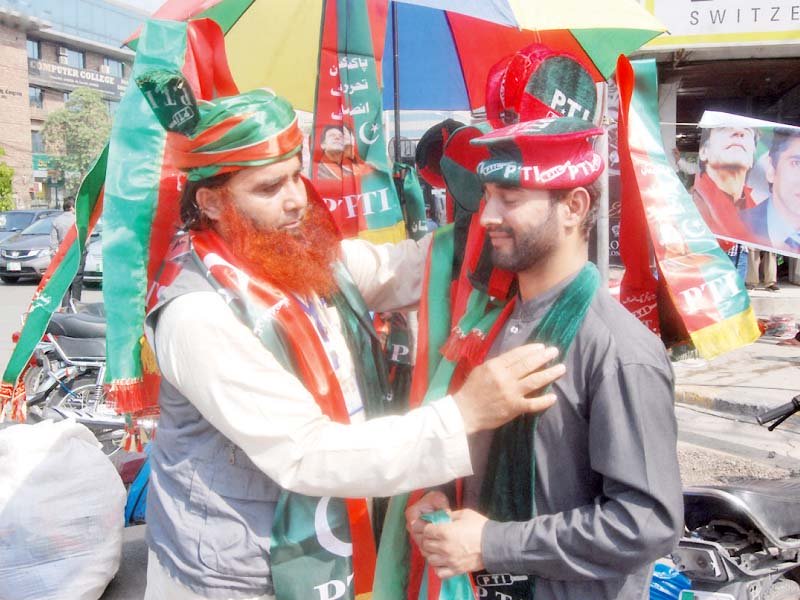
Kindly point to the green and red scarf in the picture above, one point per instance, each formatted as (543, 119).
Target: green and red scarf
(316, 543)
(52, 287)
(697, 284)
(445, 357)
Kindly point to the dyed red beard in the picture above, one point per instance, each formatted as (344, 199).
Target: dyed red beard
(299, 261)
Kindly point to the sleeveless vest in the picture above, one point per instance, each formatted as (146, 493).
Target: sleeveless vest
(209, 508)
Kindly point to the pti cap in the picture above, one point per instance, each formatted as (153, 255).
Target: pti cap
(554, 153)
(537, 82)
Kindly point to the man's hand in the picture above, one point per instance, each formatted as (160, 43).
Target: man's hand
(454, 548)
(430, 502)
(506, 386)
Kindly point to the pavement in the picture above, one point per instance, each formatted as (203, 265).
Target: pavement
(718, 400)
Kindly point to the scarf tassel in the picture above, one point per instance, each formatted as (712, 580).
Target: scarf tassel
(128, 395)
(13, 396)
(472, 350)
(451, 349)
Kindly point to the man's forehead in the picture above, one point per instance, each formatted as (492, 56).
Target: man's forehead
(732, 130)
(273, 171)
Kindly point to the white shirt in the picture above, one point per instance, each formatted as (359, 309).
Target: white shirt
(239, 387)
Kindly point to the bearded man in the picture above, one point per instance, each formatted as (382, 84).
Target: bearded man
(580, 502)
(268, 366)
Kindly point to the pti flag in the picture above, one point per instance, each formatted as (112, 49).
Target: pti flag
(699, 279)
(350, 166)
(748, 185)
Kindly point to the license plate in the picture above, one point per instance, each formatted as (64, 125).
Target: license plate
(14, 266)
(690, 595)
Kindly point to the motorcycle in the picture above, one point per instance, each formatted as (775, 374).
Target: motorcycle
(742, 540)
(67, 376)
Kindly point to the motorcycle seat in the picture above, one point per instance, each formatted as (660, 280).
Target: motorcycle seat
(92, 349)
(80, 325)
(772, 505)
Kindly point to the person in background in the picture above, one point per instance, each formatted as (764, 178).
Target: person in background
(61, 226)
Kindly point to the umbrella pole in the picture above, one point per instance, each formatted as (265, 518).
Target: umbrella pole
(396, 73)
(603, 201)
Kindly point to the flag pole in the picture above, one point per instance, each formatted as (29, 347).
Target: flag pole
(396, 73)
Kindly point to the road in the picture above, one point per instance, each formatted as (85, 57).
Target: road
(14, 300)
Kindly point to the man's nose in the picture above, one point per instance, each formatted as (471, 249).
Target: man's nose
(295, 197)
(490, 214)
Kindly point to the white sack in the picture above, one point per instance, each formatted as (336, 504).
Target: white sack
(62, 509)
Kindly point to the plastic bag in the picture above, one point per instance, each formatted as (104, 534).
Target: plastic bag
(61, 513)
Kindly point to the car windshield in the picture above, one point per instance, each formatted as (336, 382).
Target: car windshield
(41, 227)
(14, 221)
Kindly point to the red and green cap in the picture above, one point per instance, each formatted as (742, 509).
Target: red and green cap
(554, 153)
(537, 82)
(229, 133)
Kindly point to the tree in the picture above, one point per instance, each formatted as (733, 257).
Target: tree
(6, 191)
(76, 134)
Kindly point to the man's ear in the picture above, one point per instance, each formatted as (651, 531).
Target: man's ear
(769, 172)
(577, 204)
(209, 201)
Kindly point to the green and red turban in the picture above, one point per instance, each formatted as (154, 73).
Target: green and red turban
(251, 129)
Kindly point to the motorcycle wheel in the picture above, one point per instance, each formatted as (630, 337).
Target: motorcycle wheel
(81, 399)
(783, 589)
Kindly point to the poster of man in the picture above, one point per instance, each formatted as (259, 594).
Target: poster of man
(748, 185)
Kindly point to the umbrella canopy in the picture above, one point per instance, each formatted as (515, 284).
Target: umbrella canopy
(446, 47)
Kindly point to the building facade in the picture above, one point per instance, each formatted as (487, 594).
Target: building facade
(44, 56)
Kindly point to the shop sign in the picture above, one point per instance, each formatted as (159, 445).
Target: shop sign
(41, 162)
(697, 23)
(56, 75)
(7, 94)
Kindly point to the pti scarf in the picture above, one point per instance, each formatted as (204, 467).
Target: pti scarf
(52, 287)
(698, 290)
(316, 543)
(444, 359)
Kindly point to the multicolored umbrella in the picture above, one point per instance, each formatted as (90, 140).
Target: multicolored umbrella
(445, 47)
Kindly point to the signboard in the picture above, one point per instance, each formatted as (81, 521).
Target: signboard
(41, 162)
(693, 23)
(63, 76)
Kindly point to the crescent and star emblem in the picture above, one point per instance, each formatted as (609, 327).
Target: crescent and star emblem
(362, 134)
(324, 534)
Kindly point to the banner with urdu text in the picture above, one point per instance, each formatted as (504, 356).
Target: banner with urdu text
(350, 165)
(700, 279)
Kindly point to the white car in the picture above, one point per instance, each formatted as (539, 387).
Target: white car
(93, 266)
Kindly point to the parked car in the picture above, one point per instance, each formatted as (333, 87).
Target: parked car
(13, 221)
(93, 267)
(27, 253)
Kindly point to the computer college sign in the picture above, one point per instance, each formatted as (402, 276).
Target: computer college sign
(723, 22)
(63, 76)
